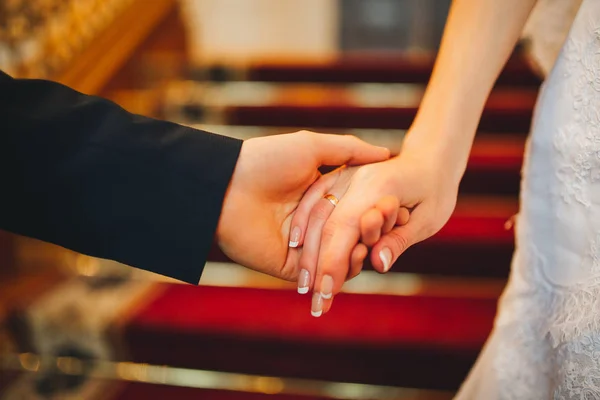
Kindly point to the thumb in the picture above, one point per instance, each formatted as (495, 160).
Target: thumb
(391, 245)
(346, 149)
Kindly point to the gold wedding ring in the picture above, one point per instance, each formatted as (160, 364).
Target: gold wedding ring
(332, 199)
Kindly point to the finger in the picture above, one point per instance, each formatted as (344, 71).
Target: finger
(403, 216)
(312, 196)
(391, 245)
(357, 259)
(371, 225)
(327, 305)
(339, 236)
(389, 207)
(316, 306)
(386, 214)
(291, 271)
(312, 242)
(346, 149)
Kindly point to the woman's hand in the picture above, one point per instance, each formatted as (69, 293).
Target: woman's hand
(315, 208)
(418, 179)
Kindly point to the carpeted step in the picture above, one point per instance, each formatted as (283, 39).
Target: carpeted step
(498, 117)
(380, 106)
(412, 341)
(435, 333)
(494, 166)
(517, 71)
(417, 339)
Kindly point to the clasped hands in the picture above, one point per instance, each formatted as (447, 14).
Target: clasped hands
(275, 217)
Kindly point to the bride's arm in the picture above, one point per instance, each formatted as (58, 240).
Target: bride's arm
(479, 37)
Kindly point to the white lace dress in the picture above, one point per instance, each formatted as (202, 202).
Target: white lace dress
(546, 339)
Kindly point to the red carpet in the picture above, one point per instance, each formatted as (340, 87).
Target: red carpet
(503, 118)
(412, 341)
(359, 69)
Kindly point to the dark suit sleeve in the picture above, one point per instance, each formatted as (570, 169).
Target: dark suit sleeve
(81, 172)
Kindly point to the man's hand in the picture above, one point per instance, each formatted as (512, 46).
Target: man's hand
(271, 176)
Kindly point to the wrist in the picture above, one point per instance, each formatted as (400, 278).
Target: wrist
(439, 148)
(230, 200)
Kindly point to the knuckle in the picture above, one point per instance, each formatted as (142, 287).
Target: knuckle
(334, 225)
(356, 140)
(367, 220)
(307, 135)
(347, 222)
(401, 242)
(363, 172)
(307, 263)
(289, 274)
(365, 227)
(320, 211)
(328, 231)
(353, 140)
(378, 219)
(370, 174)
(338, 224)
(393, 202)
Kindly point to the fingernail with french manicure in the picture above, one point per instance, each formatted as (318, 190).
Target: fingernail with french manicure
(326, 287)
(385, 255)
(295, 237)
(303, 281)
(317, 305)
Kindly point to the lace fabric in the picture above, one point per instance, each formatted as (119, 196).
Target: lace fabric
(546, 339)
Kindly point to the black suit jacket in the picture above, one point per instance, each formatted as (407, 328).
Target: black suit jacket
(81, 172)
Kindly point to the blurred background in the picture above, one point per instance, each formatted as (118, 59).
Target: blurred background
(75, 327)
